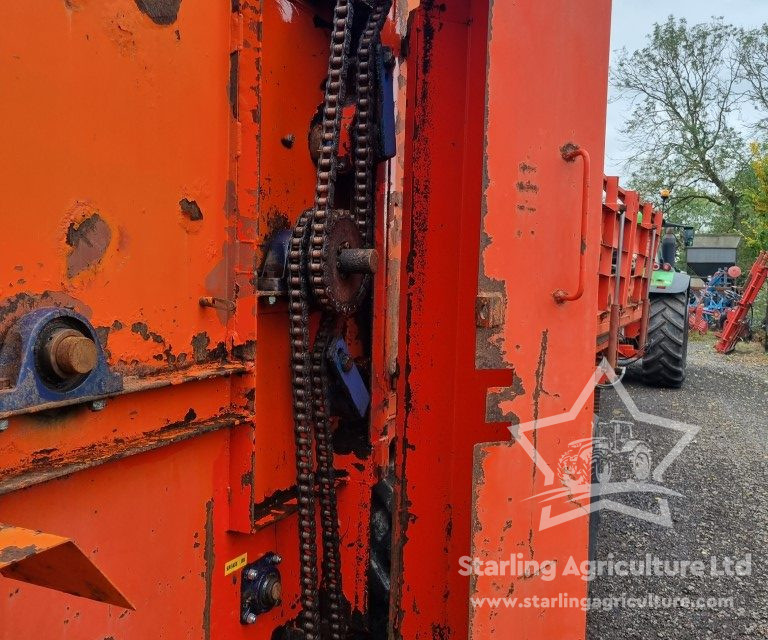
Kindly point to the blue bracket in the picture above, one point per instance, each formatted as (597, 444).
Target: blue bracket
(351, 382)
(29, 387)
(386, 66)
(257, 583)
(272, 277)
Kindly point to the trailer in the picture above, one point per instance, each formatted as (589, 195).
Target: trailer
(264, 329)
(642, 299)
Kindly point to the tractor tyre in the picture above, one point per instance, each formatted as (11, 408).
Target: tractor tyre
(380, 553)
(666, 355)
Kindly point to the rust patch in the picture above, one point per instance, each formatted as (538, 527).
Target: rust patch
(143, 330)
(191, 209)
(89, 240)
(496, 396)
(538, 390)
(230, 199)
(489, 309)
(162, 12)
(200, 344)
(14, 554)
(207, 575)
(527, 186)
(245, 351)
(250, 399)
(542, 362)
(203, 354)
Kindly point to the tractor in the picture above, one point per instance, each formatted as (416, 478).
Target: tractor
(665, 355)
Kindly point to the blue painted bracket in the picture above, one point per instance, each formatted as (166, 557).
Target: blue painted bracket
(272, 278)
(28, 386)
(387, 105)
(350, 381)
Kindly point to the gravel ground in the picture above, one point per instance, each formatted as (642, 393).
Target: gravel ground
(723, 510)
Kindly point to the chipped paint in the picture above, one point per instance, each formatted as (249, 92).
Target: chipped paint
(190, 209)
(162, 12)
(89, 240)
(210, 558)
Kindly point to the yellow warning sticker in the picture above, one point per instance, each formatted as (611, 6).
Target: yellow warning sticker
(237, 563)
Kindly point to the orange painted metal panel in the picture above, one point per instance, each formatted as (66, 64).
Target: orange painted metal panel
(155, 148)
(102, 143)
(149, 152)
(551, 100)
(493, 222)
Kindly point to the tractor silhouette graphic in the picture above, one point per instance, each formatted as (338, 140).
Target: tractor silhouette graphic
(618, 455)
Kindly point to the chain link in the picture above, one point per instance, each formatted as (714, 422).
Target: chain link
(306, 260)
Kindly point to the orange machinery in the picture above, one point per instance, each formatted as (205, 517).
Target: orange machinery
(163, 472)
(630, 238)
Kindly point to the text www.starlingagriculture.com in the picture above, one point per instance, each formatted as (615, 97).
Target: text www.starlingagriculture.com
(624, 601)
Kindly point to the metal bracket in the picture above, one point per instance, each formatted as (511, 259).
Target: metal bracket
(56, 563)
(387, 142)
(260, 588)
(27, 382)
(272, 276)
(351, 386)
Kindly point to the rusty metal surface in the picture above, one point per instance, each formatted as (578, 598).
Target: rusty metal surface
(177, 133)
(539, 215)
(492, 210)
(46, 560)
(156, 153)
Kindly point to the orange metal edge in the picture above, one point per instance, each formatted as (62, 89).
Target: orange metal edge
(54, 562)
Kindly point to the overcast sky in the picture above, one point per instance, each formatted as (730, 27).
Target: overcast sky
(632, 21)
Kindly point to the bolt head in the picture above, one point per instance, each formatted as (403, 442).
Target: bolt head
(4, 424)
(251, 574)
(98, 405)
(249, 618)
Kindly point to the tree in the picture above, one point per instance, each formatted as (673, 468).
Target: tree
(753, 57)
(684, 89)
(756, 224)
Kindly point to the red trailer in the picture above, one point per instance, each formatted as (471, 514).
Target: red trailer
(263, 331)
